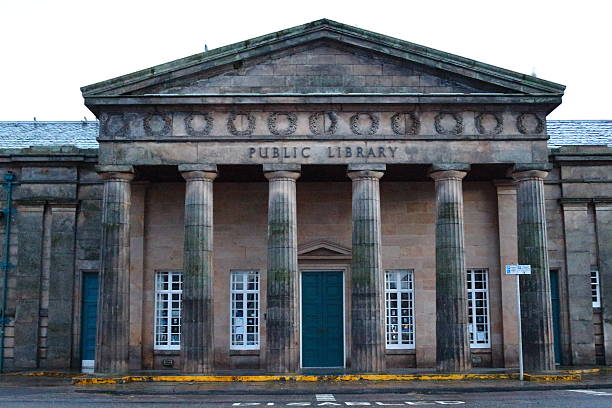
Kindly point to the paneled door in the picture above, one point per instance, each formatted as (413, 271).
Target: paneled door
(89, 309)
(322, 319)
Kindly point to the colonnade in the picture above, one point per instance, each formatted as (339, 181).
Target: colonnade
(367, 283)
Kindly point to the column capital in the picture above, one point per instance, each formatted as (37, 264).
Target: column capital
(366, 170)
(444, 171)
(529, 174)
(522, 171)
(282, 171)
(205, 172)
(208, 168)
(115, 172)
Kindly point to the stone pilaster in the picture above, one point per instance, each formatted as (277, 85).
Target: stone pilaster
(536, 310)
(508, 255)
(197, 314)
(452, 342)
(578, 261)
(603, 219)
(61, 284)
(30, 221)
(367, 282)
(112, 335)
(282, 279)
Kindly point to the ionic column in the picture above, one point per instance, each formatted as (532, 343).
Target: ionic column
(452, 342)
(112, 335)
(282, 278)
(197, 310)
(536, 311)
(367, 283)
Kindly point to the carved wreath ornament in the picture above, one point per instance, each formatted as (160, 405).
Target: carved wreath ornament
(152, 122)
(398, 118)
(480, 127)
(455, 130)
(521, 125)
(356, 129)
(231, 126)
(114, 124)
(205, 131)
(273, 119)
(313, 123)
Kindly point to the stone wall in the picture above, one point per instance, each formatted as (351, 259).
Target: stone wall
(54, 237)
(56, 234)
(324, 213)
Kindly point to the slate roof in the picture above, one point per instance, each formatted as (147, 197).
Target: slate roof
(579, 132)
(18, 135)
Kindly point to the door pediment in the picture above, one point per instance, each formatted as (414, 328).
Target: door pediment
(321, 250)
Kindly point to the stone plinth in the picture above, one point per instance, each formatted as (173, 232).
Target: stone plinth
(197, 312)
(282, 354)
(367, 283)
(112, 334)
(536, 309)
(452, 342)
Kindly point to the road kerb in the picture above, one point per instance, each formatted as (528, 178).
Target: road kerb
(564, 377)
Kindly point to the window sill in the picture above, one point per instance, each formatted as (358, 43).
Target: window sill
(167, 352)
(480, 349)
(244, 352)
(400, 351)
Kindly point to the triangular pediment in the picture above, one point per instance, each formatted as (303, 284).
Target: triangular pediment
(323, 249)
(322, 67)
(322, 57)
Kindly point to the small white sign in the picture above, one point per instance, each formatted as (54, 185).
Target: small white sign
(518, 269)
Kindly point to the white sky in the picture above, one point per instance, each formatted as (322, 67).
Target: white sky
(49, 49)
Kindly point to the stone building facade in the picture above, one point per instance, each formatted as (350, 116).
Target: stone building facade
(321, 197)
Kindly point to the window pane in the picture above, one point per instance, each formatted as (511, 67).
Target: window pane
(478, 307)
(168, 303)
(244, 303)
(399, 314)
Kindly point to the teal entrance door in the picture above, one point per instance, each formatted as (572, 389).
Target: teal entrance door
(89, 311)
(322, 319)
(556, 313)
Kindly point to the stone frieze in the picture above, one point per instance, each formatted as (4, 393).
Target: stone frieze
(323, 125)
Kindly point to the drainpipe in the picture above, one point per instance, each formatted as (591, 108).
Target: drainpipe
(5, 265)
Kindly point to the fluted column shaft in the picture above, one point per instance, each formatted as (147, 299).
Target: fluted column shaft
(112, 334)
(197, 309)
(452, 343)
(282, 278)
(536, 309)
(367, 285)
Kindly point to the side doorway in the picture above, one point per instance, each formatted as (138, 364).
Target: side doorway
(322, 311)
(89, 312)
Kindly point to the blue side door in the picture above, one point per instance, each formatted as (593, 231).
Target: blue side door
(556, 313)
(89, 311)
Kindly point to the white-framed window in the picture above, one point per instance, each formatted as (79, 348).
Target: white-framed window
(399, 308)
(168, 304)
(478, 308)
(595, 291)
(244, 310)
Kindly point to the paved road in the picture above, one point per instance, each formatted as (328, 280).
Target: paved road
(54, 397)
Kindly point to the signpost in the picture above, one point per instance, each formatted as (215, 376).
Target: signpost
(519, 270)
